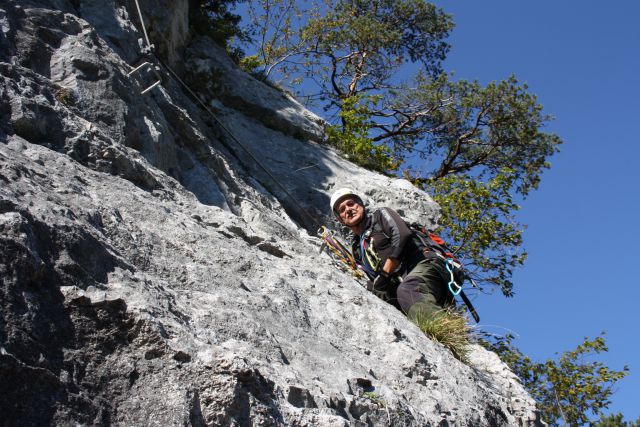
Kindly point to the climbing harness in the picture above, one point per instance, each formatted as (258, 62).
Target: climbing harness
(433, 246)
(371, 260)
(339, 253)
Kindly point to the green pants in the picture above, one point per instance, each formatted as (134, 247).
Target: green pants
(423, 291)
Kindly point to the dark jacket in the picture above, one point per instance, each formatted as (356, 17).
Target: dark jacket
(389, 236)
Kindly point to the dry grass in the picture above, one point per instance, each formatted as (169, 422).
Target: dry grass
(450, 328)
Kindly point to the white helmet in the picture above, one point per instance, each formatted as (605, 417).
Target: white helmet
(340, 194)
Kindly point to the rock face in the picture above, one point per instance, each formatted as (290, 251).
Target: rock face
(151, 273)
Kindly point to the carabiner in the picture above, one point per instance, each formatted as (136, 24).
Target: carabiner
(453, 280)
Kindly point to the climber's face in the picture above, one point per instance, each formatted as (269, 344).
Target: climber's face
(350, 211)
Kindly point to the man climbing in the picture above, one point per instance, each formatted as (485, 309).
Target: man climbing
(384, 247)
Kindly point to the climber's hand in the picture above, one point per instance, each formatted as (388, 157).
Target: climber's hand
(380, 285)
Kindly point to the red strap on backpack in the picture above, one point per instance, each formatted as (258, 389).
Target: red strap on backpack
(436, 239)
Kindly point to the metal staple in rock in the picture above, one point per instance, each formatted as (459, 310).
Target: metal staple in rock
(219, 122)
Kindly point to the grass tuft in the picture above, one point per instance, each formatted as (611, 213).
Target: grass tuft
(450, 328)
(374, 398)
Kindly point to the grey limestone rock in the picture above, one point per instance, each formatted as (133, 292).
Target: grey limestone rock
(151, 273)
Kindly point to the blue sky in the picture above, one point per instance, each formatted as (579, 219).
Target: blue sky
(582, 59)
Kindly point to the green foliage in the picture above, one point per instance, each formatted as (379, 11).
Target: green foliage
(213, 18)
(614, 420)
(250, 63)
(276, 24)
(489, 148)
(567, 389)
(478, 217)
(352, 137)
(372, 396)
(358, 46)
(448, 327)
(469, 128)
(347, 47)
(475, 147)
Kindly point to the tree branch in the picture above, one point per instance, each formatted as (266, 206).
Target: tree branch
(447, 165)
(404, 127)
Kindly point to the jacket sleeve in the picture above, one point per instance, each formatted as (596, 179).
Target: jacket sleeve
(396, 229)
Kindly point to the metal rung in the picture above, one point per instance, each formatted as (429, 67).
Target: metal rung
(150, 87)
(138, 68)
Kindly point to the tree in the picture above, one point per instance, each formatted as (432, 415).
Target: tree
(274, 25)
(567, 389)
(614, 420)
(215, 19)
(475, 148)
(479, 217)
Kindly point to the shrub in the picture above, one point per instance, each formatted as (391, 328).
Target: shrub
(450, 328)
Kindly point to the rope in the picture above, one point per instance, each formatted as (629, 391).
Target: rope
(144, 29)
(343, 255)
(215, 118)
